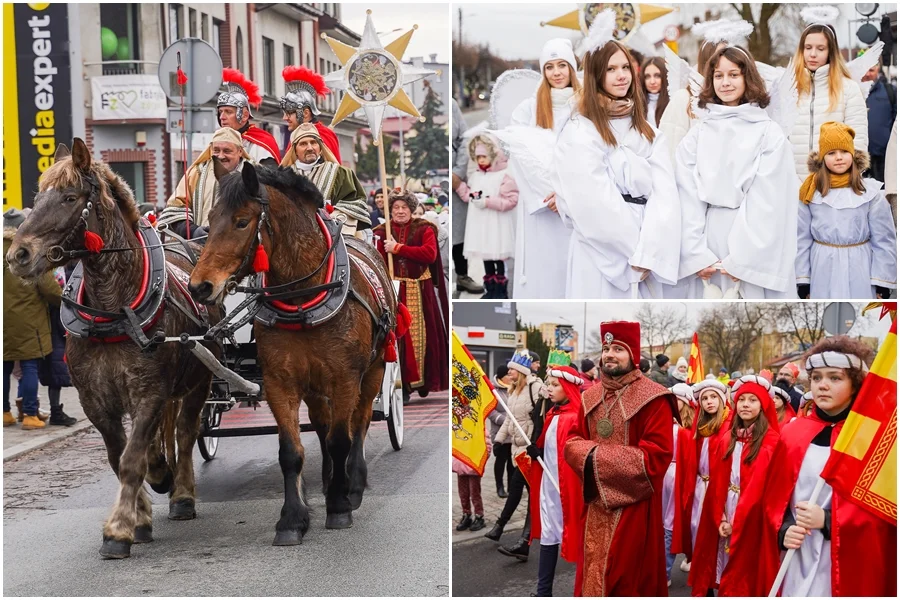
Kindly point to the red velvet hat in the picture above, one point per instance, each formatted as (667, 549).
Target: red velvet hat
(625, 333)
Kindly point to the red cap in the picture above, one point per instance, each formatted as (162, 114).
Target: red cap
(624, 333)
(765, 399)
(572, 388)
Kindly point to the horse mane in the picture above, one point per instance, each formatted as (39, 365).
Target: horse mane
(113, 189)
(296, 187)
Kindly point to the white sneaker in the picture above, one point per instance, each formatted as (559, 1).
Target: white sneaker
(685, 566)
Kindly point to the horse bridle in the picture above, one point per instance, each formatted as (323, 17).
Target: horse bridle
(58, 252)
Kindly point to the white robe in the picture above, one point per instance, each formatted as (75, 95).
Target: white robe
(843, 219)
(610, 236)
(668, 491)
(652, 101)
(256, 152)
(542, 240)
(731, 502)
(738, 193)
(700, 487)
(551, 503)
(490, 233)
(809, 574)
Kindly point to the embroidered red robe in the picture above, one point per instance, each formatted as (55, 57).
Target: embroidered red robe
(624, 546)
(417, 265)
(863, 547)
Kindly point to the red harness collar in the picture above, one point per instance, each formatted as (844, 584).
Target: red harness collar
(320, 297)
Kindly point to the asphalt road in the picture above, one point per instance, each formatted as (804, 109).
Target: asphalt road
(479, 570)
(56, 499)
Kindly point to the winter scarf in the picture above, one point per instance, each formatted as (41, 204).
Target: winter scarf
(808, 189)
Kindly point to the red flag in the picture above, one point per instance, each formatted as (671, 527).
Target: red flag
(695, 363)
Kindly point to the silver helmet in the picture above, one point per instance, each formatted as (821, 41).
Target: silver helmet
(302, 85)
(239, 92)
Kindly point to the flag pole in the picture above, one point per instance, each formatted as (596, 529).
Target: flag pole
(387, 203)
(820, 484)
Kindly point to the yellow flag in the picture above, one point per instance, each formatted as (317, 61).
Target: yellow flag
(473, 400)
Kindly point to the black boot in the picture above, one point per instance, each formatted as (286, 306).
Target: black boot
(465, 523)
(490, 284)
(495, 532)
(500, 292)
(477, 523)
(58, 417)
(519, 550)
(501, 491)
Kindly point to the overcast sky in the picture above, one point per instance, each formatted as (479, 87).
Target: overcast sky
(433, 35)
(573, 313)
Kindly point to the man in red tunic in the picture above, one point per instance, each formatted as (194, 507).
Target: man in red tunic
(628, 419)
(417, 266)
(233, 108)
(302, 85)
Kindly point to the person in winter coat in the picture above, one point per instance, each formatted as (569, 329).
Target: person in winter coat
(53, 371)
(659, 371)
(502, 452)
(468, 483)
(523, 396)
(846, 243)
(882, 105)
(26, 329)
(464, 283)
(826, 93)
(680, 373)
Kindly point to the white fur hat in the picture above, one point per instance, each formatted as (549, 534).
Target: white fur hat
(558, 49)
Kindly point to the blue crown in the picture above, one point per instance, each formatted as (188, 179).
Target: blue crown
(523, 359)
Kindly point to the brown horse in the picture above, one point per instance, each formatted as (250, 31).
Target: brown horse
(163, 390)
(334, 363)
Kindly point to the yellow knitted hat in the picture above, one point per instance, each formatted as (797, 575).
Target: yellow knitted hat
(835, 136)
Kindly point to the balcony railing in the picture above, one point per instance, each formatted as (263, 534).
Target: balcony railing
(125, 67)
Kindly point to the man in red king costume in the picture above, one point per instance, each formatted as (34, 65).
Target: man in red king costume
(623, 463)
(233, 107)
(302, 85)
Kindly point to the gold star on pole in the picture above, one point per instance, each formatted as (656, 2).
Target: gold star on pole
(629, 17)
(372, 76)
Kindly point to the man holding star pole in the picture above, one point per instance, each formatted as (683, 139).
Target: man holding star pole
(372, 77)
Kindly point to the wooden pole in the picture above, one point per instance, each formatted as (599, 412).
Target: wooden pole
(786, 562)
(387, 204)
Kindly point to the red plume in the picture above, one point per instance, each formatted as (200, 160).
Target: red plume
(93, 243)
(403, 320)
(390, 352)
(235, 76)
(260, 259)
(306, 74)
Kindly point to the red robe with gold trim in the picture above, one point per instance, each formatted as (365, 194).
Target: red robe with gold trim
(863, 547)
(624, 546)
(569, 425)
(417, 264)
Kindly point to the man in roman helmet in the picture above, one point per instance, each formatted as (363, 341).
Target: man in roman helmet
(309, 156)
(301, 86)
(233, 108)
(200, 185)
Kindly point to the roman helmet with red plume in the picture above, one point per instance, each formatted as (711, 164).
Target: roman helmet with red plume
(240, 93)
(302, 85)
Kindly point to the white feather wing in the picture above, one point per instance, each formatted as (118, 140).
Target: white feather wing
(783, 97)
(510, 90)
(859, 65)
(679, 71)
(532, 148)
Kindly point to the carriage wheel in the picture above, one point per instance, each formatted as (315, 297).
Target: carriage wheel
(209, 420)
(395, 417)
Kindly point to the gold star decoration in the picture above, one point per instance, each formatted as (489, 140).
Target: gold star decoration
(629, 17)
(372, 76)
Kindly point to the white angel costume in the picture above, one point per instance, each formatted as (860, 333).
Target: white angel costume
(846, 243)
(610, 235)
(738, 187)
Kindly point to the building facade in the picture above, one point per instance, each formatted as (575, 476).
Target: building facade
(488, 329)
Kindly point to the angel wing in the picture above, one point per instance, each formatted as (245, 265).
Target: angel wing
(859, 65)
(529, 147)
(679, 71)
(477, 129)
(782, 89)
(510, 89)
(695, 86)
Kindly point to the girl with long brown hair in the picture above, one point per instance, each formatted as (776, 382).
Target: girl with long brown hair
(616, 189)
(655, 85)
(736, 185)
(684, 394)
(825, 89)
(847, 244)
(539, 266)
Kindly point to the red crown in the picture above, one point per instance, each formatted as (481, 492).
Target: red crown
(236, 77)
(306, 75)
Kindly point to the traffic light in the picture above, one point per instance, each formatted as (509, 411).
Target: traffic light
(890, 41)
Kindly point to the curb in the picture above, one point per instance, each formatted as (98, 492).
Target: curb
(468, 536)
(44, 439)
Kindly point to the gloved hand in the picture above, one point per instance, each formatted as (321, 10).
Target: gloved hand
(534, 452)
(803, 291)
(882, 293)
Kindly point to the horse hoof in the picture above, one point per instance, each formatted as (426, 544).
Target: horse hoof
(288, 538)
(339, 521)
(143, 534)
(182, 510)
(115, 548)
(166, 485)
(355, 499)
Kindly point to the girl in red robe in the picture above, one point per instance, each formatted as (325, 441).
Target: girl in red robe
(557, 517)
(783, 407)
(744, 457)
(696, 450)
(842, 550)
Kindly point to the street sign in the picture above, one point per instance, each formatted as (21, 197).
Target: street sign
(202, 120)
(671, 33)
(838, 318)
(200, 63)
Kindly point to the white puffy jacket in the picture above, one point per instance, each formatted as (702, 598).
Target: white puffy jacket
(812, 112)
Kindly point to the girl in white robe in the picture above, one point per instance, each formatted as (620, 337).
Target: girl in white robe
(615, 187)
(542, 240)
(735, 182)
(847, 245)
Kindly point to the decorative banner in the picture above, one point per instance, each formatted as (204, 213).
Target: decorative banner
(695, 363)
(116, 97)
(37, 95)
(629, 17)
(472, 401)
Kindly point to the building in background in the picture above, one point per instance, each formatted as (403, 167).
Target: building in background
(561, 336)
(488, 329)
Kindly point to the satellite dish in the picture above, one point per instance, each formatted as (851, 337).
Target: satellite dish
(201, 64)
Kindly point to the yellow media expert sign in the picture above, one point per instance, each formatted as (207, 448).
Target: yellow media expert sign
(37, 95)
